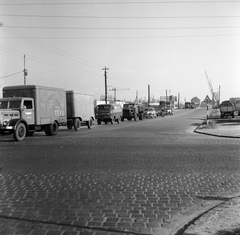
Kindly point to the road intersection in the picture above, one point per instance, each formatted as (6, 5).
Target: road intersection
(146, 177)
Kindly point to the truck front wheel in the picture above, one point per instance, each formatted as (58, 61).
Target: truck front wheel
(77, 124)
(20, 132)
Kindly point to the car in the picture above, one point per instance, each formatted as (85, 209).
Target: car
(169, 111)
(161, 113)
(150, 112)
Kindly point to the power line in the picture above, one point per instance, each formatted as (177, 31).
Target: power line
(123, 28)
(45, 61)
(122, 17)
(10, 75)
(45, 46)
(116, 3)
(131, 37)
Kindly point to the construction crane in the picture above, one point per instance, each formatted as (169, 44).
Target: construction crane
(115, 91)
(214, 94)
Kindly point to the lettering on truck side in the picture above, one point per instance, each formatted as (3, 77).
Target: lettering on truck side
(29, 115)
(59, 113)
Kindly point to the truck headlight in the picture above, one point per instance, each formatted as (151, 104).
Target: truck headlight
(5, 123)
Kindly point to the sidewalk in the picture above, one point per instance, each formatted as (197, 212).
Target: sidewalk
(222, 127)
(223, 219)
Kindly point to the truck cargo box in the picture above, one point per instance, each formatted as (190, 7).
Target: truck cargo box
(80, 105)
(50, 103)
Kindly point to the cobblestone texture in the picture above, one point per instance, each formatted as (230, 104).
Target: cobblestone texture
(110, 185)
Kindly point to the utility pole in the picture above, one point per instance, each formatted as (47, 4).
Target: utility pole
(25, 73)
(136, 101)
(115, 94)
(178, 99)
(105, 75)
(148, 95)
(219, 96)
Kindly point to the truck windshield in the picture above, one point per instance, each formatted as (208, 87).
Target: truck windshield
(10, 104)
(128, 106)
(3, 104)
(14, 104)
(104, 107)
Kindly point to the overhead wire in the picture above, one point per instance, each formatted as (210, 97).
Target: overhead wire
(34, 41)
(122, 17)
(118, 3)
(132, 37)
(10, 75)
(44, 61)
(124, 28)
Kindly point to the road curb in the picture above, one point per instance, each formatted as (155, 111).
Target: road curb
(209, 130)
(217, 135)
(189, 220)
(185, 223)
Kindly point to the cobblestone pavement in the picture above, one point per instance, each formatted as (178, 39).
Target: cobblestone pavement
(114, 185)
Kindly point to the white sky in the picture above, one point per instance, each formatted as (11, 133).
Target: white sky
(167, 44)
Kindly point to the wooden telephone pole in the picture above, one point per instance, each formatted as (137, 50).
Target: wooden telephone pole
(105, 75)
(25, 73)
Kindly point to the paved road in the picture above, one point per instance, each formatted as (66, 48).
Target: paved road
(128, 178)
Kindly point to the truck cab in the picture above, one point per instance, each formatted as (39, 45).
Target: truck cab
(227, 108)
(14, 110)
(130, 111)
(25, 109)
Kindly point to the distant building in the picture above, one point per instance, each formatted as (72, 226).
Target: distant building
(195, 102)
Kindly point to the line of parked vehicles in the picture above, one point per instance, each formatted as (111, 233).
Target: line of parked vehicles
(110, 113)
(25, 109)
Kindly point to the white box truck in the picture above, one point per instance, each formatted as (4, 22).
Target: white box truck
(25, 109)
(80, 109)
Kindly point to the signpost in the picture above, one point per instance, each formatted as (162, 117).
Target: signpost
(207, 100)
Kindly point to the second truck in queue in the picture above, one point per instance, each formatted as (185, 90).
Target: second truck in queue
(133, 111)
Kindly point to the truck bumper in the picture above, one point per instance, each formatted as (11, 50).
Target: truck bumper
(5, 128)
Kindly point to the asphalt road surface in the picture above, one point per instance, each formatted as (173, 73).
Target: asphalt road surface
(127, 178)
